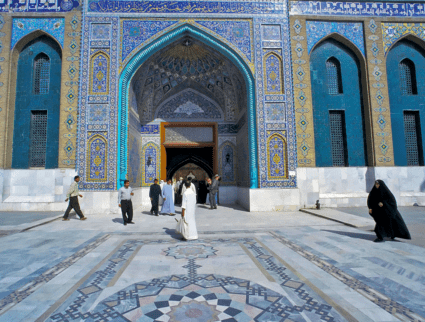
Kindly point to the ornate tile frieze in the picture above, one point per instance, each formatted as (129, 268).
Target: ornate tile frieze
(368, 9)
(185, 7)
(52, 6)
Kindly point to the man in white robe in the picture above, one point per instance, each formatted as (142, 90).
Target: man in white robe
(188, 212)
(168, 197)
(192, 186)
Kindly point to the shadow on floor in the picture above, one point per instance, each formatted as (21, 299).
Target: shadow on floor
(371, 237)
(172, 233)
(117, 221)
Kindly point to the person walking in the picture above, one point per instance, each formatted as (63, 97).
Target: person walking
(154, 192)
(73, 195)
(124, 202)
(383, 209)
(213, 188)
(188, 211)
(168, 197)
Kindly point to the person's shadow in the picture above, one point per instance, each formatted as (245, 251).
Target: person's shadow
(117, 220)
(172, 233)
(352, 235)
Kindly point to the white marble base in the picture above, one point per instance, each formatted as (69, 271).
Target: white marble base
(45, 190)
(349, 187)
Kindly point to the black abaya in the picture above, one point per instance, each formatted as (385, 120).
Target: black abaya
(389, 222)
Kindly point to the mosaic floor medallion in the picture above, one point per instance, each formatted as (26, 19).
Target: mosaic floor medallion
(207, 298)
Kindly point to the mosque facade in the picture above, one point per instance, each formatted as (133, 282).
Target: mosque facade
(289, 102)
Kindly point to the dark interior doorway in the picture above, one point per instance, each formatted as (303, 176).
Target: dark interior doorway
(177, 158)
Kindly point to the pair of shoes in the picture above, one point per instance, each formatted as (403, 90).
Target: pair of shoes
(130, 222)
(215, 207)
(172, 214)
(393, 238)
(125, 223)
(156, 214)
(378, 240)
(65, 219)
(83, 218)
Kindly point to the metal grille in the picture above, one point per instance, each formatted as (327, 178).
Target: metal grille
(338, 141)
(38, 138)
(333, 71)
(407, 73)
(41, 74)
(412, 135)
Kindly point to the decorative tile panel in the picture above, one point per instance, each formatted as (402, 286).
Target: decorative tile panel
(275, 112)
(24, 26)
(150, 129)
(391, 32)
(100, 31)
(151, 163)
(97, 148)
(316, 30)
(273, 74)
(189, 104)
(271, 32)
(97, 114)
(227, 163)
(99, 80)
(276, 157)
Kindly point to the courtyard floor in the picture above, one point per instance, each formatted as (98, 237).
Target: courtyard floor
(279, 266)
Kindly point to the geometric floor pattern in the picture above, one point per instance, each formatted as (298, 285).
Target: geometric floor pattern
(309, 270)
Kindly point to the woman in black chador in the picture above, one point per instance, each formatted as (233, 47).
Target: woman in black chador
(383, 208)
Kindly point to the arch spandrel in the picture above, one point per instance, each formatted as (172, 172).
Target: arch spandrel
(174, 25)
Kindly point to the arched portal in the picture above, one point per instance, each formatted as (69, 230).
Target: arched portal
(162, 90)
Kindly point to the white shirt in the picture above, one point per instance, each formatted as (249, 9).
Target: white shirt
(124, 194)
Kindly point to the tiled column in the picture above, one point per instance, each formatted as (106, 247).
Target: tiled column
(379, 98)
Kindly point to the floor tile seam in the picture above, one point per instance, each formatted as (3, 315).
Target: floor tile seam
(75, 287)
(15, 297)
(377, 296)
(306, 281)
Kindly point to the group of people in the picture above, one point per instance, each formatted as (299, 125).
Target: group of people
(381, 203)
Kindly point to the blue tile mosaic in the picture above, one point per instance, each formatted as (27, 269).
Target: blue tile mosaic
(23, 26)
(316, 30)
(136, 32)
(189, 104)
(38, 5)
(238, 33)
(98, 114)
(383, 9)
(150, 129)
(181, 7)
(275, 112)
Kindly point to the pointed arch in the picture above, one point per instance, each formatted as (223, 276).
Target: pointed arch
(17, 119)
(99, 73)
(407, 73)
(277, 157)
(273, 73)
(343, 40)
(334, 81)
(410, 37)
(342, 45)
(137, 60)
(97, 155)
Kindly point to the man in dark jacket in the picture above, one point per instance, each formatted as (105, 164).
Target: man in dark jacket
(213, 188)
(154, 193)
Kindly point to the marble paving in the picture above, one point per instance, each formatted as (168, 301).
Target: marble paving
(244, 267)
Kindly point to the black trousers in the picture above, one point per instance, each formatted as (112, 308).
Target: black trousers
(213, 202)
(127, 210)
(154, 208)
(73, 204)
